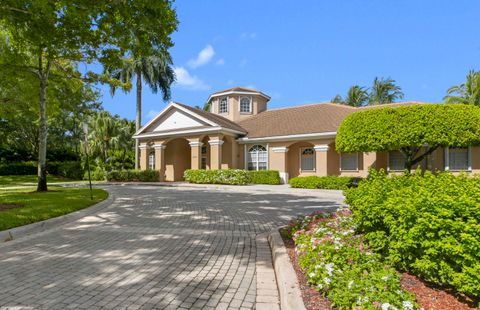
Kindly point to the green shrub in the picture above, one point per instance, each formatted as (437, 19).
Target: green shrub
(96, 174)
(68, 169)
(133, 176)
(222, 176)
(18, 168)
(337, 263)
(428, 225)
(264, 177)
(327, 182)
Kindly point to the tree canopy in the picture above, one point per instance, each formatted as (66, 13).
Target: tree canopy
(382, 91)
(466, 93)
(416, 131)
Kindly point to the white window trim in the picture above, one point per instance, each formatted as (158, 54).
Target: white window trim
(240, 104)
(245, 156)
(151, 163)
(353, 170)
(388, 164)
(447, 160)
(219, 102)
(301, 149)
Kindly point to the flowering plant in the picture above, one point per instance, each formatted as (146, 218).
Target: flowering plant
(338, 263)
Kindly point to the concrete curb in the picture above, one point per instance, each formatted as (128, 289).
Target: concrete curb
(37, 227)
(288, 287)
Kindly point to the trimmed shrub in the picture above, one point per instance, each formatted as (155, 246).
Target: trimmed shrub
(133, 176)
(428, 225)
(264, 177)
(18, 168)
(96, 174)
(222, 176)
(68, 169)
(327, 182)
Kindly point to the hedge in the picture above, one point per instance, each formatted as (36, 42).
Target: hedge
(428, 225)
(222, 176)
(133, 176)
(67, 169)
(271, 177)
(326, 182)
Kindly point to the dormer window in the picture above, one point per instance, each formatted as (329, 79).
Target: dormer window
(223, 105)
(245, 105)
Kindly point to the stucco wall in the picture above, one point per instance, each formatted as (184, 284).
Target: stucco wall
(177, 159)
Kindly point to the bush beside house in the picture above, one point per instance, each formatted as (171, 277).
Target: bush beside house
(232, 177)
(326, 182)
(428, 225)
(133, 176)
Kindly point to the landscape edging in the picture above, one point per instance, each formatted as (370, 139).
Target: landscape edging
(288, 287)
(20, 231)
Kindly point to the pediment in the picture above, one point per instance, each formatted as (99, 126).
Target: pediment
(173, 119)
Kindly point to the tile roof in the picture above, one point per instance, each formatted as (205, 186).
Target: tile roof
(242, 89)
(220, 120)
(311, 118)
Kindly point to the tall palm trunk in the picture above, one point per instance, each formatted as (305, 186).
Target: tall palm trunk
(138, 115)
(42, 130)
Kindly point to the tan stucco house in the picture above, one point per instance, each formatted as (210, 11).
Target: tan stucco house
(241, 132)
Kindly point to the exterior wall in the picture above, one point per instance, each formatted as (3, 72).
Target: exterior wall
(177, 159)
(258, 104)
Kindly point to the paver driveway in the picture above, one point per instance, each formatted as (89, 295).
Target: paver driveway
(154, 247)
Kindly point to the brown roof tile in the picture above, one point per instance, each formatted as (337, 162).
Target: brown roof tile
(220, 120)
(312, 118)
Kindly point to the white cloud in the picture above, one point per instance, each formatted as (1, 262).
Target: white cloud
(220, 62)
(248, 35)
(185, 80)
(152, 113)
(203, 57)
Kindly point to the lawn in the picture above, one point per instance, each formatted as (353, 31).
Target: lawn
(22, 180)
(36, 207)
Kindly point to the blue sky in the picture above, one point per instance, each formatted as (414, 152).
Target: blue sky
(302, 52)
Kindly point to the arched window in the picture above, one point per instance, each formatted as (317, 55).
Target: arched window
(245, 106)
(257, 158)
(223, 105)
(151, 161)
(307, 159)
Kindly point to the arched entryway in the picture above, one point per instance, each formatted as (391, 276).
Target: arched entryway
(177, 159)
(301, 159)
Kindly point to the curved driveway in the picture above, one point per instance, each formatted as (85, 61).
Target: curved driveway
(154, 247)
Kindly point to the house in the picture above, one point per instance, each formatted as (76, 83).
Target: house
(240, 132)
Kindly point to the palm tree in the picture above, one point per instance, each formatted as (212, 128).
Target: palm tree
(156, 71)
(337, 99)
(356, 96)
(467, 92)
(384, 91)
(103, 134)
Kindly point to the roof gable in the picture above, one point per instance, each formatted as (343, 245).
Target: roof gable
(175, 119)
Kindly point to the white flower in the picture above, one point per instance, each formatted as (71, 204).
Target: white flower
(385, 278)
(385, 306)
(319, 286)
(329, 268)
(359, 300)
(311, 274)
(326, 280)
(350, 284)
(407, 305)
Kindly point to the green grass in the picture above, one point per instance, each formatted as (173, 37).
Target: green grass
(21, 180)
(44, 205)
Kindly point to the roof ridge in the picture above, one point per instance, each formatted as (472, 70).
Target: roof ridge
(313, 104)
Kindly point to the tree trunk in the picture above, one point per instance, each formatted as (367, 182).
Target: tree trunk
(42, 129)
(138, 115)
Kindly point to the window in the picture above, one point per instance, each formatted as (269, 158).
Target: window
(245, 105)
(223, 106)
(204, 157)
(396, 161)
(151, 161)
(457, 159)
(307, 159)
(349, 161)
(257, 158)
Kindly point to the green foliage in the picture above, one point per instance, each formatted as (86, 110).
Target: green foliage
(326, 182)
(428, 225)
(337, 263)
(271, 177)
(356, 96)
(384, 91)
(409, 129)
(96, 174)
(67, 169)
(18, 168)
(222, 176)
(133, 176)
(41, 206)
(467, 92)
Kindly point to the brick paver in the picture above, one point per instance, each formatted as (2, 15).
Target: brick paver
(154, 248)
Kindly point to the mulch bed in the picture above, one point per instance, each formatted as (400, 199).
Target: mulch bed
(428, 297)
(9, 206)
